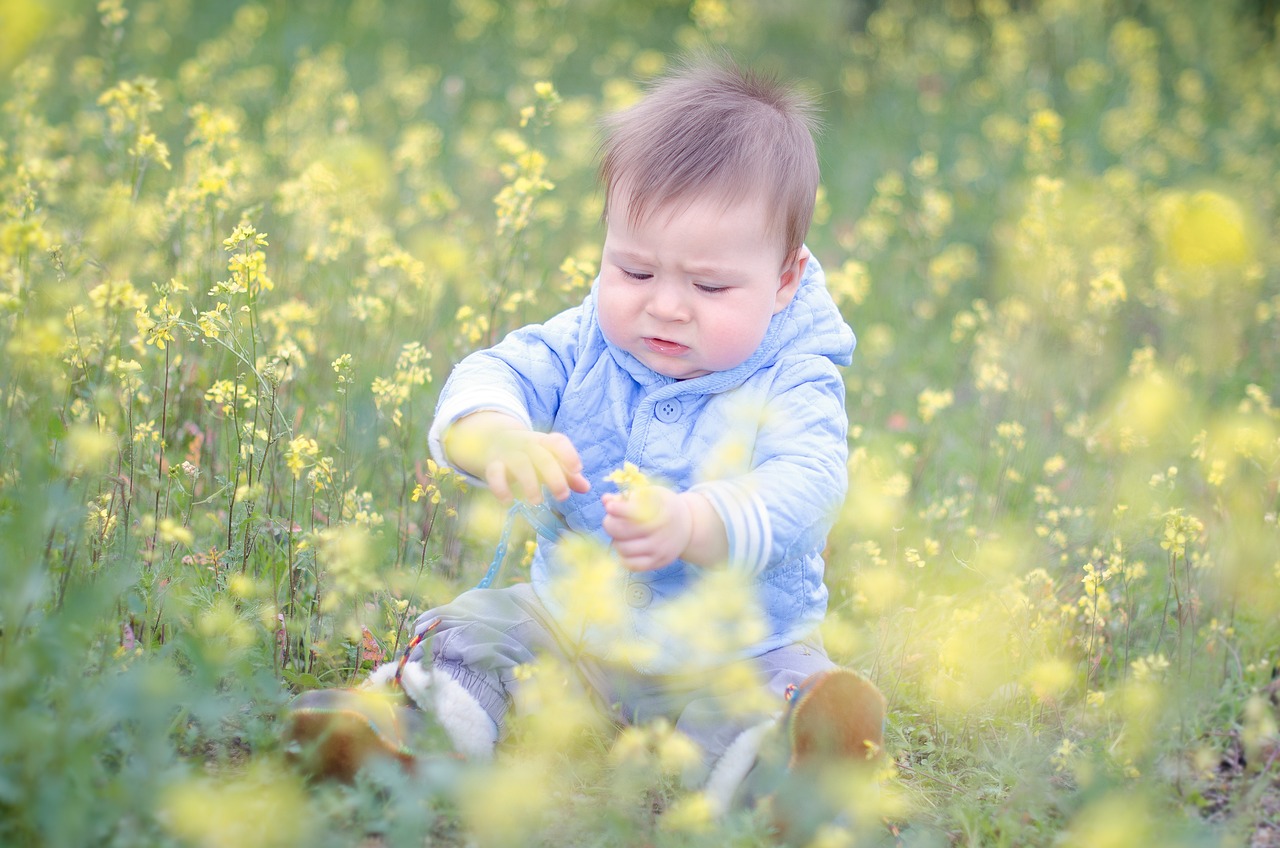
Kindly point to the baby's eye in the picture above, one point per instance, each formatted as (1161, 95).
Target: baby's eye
(637, 275)
(710, 289)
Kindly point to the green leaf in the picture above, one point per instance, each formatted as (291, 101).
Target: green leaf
(302, 679)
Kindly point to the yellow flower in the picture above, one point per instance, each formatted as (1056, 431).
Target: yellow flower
(112, 13)
(628, 478)
(213, 321)
(300, 451)
(1044, 138)
(1145, 668)
(850, 282)
(931, 402)
(87, 447)
(147, 146)
(264, 806)
(243, 234)
(690, 814)
(1105, 291)
(1203, 229)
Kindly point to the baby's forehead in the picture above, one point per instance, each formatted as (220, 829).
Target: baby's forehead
(639, 208)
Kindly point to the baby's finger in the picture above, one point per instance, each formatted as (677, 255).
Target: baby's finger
(633, 549)
(619, 506)
(564, 451)
(620, 529)
(570, 464)
(579, 483)
(549, 471)
(524, 476)
(638, 559)
(495, 475)
(643, 506)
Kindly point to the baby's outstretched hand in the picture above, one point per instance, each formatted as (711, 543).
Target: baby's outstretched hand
(515, 462)
(651, 526)
(522, 462)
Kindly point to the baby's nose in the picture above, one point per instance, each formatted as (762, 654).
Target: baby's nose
(668, 303)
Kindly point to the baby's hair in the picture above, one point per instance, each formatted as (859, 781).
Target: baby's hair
(713, 128)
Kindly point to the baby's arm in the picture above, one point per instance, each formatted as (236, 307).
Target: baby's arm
(513, 460)
(652, 527)
(785, 505)
(496, 407)
(782, 508)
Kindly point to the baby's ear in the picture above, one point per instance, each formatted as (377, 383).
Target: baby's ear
(789, 280)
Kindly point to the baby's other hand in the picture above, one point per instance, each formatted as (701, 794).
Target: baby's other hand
(651, 526)
(515, 462)
(523, 462)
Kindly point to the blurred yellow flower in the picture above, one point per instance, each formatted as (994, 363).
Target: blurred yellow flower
(267, 807)
(689, 814)
(933, 401)
(1202, 230)
(591, 587)
(1054, 465)
(1105, 291)
(345, 553)
(850, 283)
(507, 804)
(1049, 679)
(87, 448)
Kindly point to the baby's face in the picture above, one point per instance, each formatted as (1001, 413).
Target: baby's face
(691, 290)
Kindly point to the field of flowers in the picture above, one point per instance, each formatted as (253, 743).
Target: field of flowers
(242, 243)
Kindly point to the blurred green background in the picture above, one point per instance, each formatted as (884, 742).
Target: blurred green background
(241, 244)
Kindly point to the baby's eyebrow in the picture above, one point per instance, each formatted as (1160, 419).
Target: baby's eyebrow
(718, 271)
(629, 256)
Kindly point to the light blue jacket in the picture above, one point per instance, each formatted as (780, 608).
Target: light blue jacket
(765, 442)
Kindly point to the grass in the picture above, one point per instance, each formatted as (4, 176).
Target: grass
(242, 244)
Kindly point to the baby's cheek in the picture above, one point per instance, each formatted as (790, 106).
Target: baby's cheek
(612, 312)
(732, 344)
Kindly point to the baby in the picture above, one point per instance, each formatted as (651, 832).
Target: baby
(707, 355)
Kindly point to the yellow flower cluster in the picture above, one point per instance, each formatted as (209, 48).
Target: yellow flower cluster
(1048, 224)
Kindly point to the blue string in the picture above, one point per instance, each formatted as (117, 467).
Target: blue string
(543, 521)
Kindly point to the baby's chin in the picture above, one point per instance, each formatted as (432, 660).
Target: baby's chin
(671, 367)
(678, 373)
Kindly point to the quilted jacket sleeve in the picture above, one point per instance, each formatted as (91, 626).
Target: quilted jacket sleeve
(524, 376)
(783, 508)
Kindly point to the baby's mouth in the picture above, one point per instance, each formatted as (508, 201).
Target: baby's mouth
(665, 346)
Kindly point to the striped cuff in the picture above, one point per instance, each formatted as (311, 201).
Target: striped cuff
(462, 403)
(746, 521)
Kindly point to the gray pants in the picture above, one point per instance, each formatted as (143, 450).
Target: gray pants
(485, 634)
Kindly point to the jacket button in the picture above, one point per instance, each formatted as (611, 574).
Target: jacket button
(638, 595)
(667, 411)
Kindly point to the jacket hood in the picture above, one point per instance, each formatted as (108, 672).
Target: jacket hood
(811, 325)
